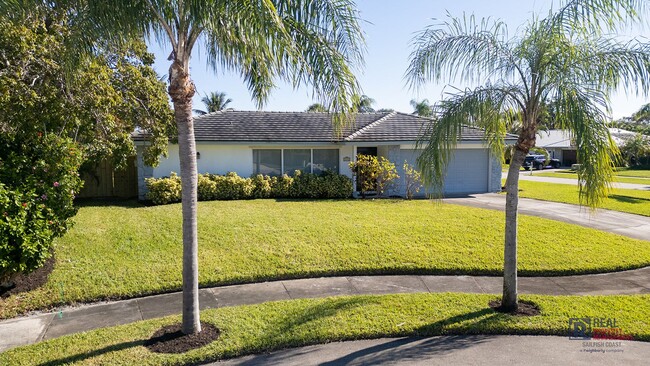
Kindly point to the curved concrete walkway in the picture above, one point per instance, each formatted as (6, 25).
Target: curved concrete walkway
(32, 329)
(456, 350)
(626, 224)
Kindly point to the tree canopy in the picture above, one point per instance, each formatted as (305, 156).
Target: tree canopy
(98, 104)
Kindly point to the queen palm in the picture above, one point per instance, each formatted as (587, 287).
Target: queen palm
(312, 43)
(422, 108)
(214, 102)
(564, 59)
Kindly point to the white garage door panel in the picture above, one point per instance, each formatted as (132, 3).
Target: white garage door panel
(467, 171)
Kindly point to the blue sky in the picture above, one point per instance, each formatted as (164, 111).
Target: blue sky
(389, 26)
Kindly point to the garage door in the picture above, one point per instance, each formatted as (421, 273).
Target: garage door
(467, 171)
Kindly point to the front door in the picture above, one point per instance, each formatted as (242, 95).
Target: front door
(365, 150)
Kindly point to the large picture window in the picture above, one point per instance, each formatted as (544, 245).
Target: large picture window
(274, 162)
(297, 159)
(267, 162)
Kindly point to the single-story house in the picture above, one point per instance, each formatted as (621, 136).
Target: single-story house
(559, 145)
(275, 143)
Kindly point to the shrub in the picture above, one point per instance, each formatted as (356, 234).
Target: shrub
(38, 180)
(412, 180)
(162, 191)
(233, 187)
(374, 174)
(206, 188)
(281, 186)
(261, 186)
(335, 186)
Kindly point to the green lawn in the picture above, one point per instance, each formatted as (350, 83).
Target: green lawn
(271, 326)
(619, 178)
(625, 200)
(128, 251)
(627, 172)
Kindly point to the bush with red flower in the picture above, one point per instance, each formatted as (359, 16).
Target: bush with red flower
(38, 180)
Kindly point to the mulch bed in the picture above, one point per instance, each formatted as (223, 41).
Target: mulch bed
(31, 281)
(525, 308)
(170, 339)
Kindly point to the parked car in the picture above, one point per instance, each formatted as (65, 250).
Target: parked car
(539, 162)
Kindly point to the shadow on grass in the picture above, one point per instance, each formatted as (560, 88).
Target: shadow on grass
(414, 348)
(628, 199)
(98, 352)
(97, 202)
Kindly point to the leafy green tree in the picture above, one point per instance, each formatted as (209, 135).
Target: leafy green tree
(643, 114)
(567, 59)
(422, 108)
(316, 107)
(312, 43)
(385, 110)
(214, 102)
(98, 104)
(636, 150)
(38, 180)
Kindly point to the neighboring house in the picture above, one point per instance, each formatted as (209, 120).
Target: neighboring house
(620, 136)
(275, 143)
(559, 145)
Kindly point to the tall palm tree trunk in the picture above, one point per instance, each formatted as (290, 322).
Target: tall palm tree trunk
(510, 297)
(181, 89)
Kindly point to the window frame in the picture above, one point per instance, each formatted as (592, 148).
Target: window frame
(311, 162)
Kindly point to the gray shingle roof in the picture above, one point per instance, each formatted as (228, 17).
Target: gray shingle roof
(260, 126)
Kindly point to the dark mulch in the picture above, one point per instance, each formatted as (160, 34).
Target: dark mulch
(525, 308)
(30, 281)
(170, 339)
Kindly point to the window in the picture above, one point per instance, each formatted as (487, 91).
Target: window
(297, 159)
(275, 162)
(326, 160)
(267, 162)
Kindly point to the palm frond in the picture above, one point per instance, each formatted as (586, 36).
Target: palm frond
(460, 49)
(480, 108)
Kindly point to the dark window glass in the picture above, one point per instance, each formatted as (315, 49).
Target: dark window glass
(297, 159)
(267, 162)
(326, 160)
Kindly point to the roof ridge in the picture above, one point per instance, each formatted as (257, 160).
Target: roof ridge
(369, 126)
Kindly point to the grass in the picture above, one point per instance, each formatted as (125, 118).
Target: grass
(130, 250)
(640, 172)
(276, 325)
(624, 200)
(569, 174)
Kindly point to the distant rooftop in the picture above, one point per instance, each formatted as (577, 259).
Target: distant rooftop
(554, 138)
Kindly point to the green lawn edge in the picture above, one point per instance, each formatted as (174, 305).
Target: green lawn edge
(293, 323)
(129, 251)
(574, 175)
(624, 200)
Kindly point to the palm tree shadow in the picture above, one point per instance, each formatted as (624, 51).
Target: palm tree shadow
(414, 348)
(628, 199)
(98, 352)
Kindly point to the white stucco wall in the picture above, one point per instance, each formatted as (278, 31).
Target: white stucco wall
(215, 159)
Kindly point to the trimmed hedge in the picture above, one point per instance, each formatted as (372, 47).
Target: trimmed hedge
(233, 187)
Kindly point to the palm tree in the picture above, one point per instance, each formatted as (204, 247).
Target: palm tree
(566, 59)
(314, 43)
(214, 102)
(365, 104)
(316, 107)
(422, 108)
(643, 114)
